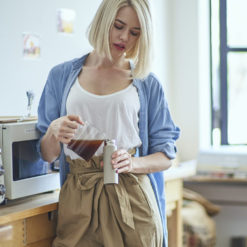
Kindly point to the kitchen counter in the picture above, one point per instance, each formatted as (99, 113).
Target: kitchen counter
(27, 207)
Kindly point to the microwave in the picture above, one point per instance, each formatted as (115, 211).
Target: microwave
(23, 172)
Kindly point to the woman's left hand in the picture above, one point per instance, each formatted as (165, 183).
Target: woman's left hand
(122, 161)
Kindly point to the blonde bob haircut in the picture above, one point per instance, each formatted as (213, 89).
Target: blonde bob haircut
(99, 30)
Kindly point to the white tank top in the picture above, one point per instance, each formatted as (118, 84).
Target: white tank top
(115, 114)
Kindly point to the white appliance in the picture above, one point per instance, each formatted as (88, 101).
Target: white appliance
(25, 173)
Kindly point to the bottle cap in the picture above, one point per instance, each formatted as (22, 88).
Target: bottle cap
(110, 141)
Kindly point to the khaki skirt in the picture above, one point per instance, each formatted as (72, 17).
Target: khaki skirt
(92, 214)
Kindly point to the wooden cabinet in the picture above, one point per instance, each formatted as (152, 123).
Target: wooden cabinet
(173, 210)
(12, 234)
(32, 232)
(40, 229)
(29, 222)
(174, 198)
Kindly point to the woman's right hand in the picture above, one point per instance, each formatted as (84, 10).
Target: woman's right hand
(63, 128)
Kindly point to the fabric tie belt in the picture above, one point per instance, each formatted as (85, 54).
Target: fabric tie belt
(89, 177)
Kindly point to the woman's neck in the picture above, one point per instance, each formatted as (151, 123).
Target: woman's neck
(95, 60)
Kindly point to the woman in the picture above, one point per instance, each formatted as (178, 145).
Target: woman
(110, 87)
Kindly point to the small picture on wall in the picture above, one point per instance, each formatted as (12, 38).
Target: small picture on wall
(31, 45)
(65, 20)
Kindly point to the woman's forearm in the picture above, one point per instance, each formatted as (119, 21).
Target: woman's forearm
(150, 163)
(156, 162)
(50, 147)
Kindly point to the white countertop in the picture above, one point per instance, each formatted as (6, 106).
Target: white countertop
(183, 170)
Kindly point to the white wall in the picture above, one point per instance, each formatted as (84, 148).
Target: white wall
(19, 75)
(183, 65)
(160, 65)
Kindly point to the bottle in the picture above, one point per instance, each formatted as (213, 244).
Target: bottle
(110, 174)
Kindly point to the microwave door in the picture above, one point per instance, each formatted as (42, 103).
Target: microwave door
(26, 161)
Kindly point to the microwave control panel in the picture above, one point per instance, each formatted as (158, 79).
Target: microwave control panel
(2, 186)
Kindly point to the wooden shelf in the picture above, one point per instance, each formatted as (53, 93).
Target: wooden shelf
(215, 180)
(15, 119)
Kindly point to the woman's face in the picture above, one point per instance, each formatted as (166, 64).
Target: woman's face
(124, 32)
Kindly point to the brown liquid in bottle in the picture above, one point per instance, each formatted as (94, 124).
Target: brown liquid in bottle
(85, 148)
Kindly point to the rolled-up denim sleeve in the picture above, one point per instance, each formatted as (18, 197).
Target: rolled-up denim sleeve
(162, 131)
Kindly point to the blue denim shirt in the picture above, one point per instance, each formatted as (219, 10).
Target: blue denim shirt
(157, 131)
